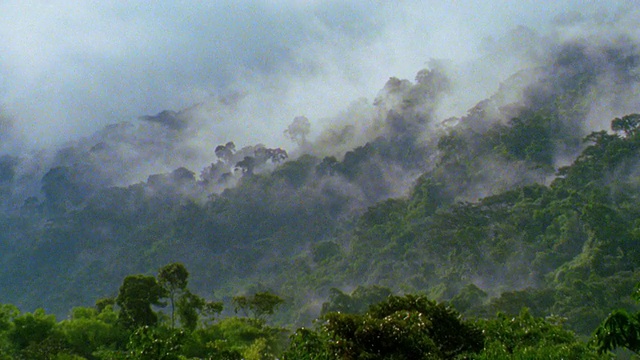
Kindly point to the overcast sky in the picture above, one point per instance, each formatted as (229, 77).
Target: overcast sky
(67, 68)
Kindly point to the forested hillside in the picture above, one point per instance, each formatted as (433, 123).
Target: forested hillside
(529, 200)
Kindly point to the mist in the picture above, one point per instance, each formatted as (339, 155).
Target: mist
(125, 91)
(70, 69)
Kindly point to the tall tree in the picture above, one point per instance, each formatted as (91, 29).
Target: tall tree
(173, 278)
(190, 307)
(135, 298)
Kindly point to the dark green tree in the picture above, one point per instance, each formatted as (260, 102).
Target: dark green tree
(31, 328)
(7, 314)
(306, 344)
(357, 302)
(173, 278)
(155, 343)
(401, 327)
(190, 307)
(619, 329)
(527, 337)
(258, 305)
(88, 330)
(135, 298)
(470, 296)
(628, 124)
(103, 303)
(210, 310)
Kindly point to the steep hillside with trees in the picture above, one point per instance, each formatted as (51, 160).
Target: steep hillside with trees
(518, 203)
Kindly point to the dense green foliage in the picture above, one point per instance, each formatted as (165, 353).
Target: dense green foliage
(408, 327)
(137, 328)
(619, 330)
(527, 337)
(565, 249)
(513, 205)
(395, 327)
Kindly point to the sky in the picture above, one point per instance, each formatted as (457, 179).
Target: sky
(68, 68)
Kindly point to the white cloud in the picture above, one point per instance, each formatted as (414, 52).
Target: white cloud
(70, 67)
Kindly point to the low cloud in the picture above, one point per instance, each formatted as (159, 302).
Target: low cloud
(71, 68)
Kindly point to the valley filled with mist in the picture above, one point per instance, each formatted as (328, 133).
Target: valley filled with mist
(505, 181)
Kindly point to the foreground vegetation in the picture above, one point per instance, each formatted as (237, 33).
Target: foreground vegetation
(397, 327)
